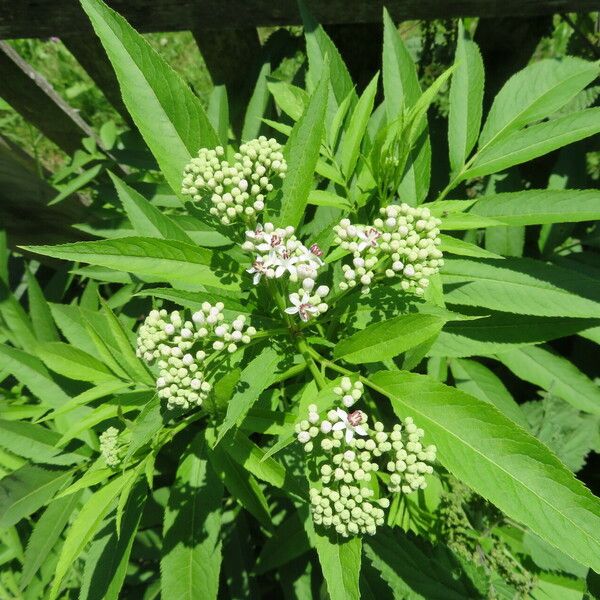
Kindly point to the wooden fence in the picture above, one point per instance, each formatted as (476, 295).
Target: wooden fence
(226, 35)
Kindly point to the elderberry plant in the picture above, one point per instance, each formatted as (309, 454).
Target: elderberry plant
(299, 357)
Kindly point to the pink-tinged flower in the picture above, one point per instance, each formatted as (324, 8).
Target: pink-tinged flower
(258, 269)
(271, 242)
(369, 238)
(351, 422)
(301, 306)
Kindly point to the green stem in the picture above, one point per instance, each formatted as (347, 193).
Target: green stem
(307, 353)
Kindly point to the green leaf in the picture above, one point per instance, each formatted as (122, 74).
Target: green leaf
(500, 461)
(147, 220)
(402, 91)
(85, 526)
(325, 198)
(291, 99)
(302, 152)
(452, 245)
(77, 183)
(26, 490)
(353, 136)
(387, 339)
(534, 93)
(536, 140)
(167, 113)
(256, 377)
(522, 286)
(554, 374)
(466, 98)
(476, 379)
(340, 562)
(162, 260)
(501, 332)
(287, 543)
(218, 113)
(191, 556)
(35, 443)
(257, 105)
(19, 325)
(39, 309)
(108, 557)
(241, 485)
(417, 570)
(534, 207)
(31, 372)
(45, 535)
(69, 361)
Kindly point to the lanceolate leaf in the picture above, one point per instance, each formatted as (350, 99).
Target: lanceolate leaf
(554, 374)
(534, 141)
(161, 260)
(387, 339)
(26, 490)
(108, 556)
(522, 286)
(533, 207)
(45, 534)
(167, 113)
(39, 309)
(500, 461)
(534, 93)
(340, 561)
(85, 526)
(402, 91)
(477, 380)
(191, 559)
(466, 97)
(256, 377)
(147, 220)
(302, 152)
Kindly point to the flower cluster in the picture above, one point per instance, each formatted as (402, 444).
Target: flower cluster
(348, 454)
(279, 253)
(110, 447)
(182, 346)
(402, 242)
(237, 188)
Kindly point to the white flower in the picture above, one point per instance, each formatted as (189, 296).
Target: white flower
(258, 269)
(301, 306)
(284, 262)
(369, 238)
(351, 422)
(271, 241)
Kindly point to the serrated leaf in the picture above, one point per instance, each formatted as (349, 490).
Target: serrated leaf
(466, 98)
(85, 526)
(452, 245)
(554, 374)
(162, 260)
(291, 99)
(387, 339)
(255, 378)
(302, 152)
(257, 104)
(45, 534)
(191, 556)
(522, 286)
(26, 490)
(536, 140)
(169, 116)
(39, 309)
(340, 562)
(108, 557)
(71, 362)
(402, 90)
(500, 461)
(534, 93)
(477, 380)
(146, 219)
(218, 113)
(535, 207)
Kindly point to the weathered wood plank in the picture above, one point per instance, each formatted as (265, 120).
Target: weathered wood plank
(24, 197)
(40, 18)
(30, 94)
